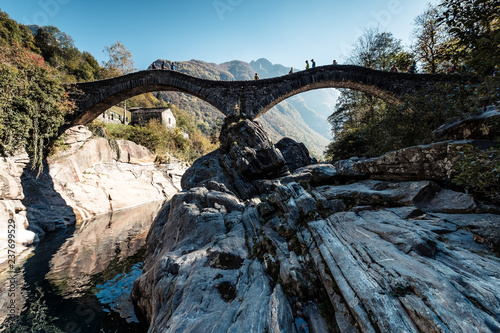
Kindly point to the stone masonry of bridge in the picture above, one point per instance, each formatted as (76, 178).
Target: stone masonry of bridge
(253, 98)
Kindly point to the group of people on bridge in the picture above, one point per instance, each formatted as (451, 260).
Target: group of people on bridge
(164, 65)
(313, 64)
(412, 69)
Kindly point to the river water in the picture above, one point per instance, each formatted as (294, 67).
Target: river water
(80, 279)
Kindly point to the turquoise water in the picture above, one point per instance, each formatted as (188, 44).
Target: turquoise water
(80, 279)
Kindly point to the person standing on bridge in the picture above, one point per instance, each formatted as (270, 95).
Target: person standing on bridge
(335, 62)
(291, 71)
(256, 77)
(173, 66)
(153, 66)
(164, 65)
(307, 64)
(313, 63)
(412, 69)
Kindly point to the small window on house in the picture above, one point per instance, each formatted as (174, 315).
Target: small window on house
(169, 121)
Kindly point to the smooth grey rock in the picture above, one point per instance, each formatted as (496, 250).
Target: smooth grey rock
(251, 150)
(280, 318)
(432, 162)
(478, 127)
(447, 201)
(198, 275)
(204, 171)
(327, 174)
(375, 192)
(486, 226)
(346, 168)
(400, 287)
(295, 153)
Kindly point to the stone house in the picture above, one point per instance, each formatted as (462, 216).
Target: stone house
(141, 116)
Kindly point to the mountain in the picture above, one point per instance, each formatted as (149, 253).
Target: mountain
(266, 69)
(302, 117)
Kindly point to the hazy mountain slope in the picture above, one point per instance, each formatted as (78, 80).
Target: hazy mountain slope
(313, 119)
(283, 120)
(322, 101)
(266, 69)
(314, 106)
(239, 69)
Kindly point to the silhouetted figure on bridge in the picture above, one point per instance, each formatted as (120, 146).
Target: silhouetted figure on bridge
(164, 65)
(335, 62)
(307, 64)
(412, 69)
(256, 77)
(173, 66)
(153, 66)
(291, 71)
(313, 63)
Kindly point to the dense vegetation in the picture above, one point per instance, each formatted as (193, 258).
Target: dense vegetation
(456, 38)
(32, 103)
(156, 137)
(35, 61)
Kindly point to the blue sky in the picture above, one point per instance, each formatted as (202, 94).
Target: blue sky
(285, 32)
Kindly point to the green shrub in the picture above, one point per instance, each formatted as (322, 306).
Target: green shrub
(389, 127)
(32, 104)
(479, 172)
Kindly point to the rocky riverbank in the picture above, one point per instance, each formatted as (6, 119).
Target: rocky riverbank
(86, 177)
(260, 240)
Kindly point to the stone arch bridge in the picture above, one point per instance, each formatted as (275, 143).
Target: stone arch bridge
(253, 97)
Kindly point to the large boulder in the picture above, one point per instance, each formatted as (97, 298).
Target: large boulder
(431, 162)
(295, 153)
(251, 150)
(131, 152)
(482, 126)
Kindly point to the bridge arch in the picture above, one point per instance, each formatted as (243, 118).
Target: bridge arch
(253, 97)
(94, 98)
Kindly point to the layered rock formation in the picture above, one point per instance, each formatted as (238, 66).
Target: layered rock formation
(88, 176)
(251, 245)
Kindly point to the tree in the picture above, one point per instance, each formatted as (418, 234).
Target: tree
(32, 105)
(375, 50)
(475, 26)
(357, 112)
(120, 60)
(431, 40)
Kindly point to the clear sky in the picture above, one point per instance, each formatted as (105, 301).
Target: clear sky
(286, 32)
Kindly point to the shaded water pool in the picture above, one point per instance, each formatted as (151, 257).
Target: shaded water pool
(80, 279)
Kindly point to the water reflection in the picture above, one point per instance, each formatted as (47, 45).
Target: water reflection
(80, 280)
(100, 246)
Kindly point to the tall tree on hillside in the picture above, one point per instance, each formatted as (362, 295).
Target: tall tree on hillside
(375, 49)
(356, 111)
(32, 103)
(52, 44)
(120, 60)
(475, 24)
(13, 33)
(430, 40)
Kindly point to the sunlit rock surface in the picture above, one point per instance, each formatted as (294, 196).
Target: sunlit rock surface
(318, 249)
(86, 177)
